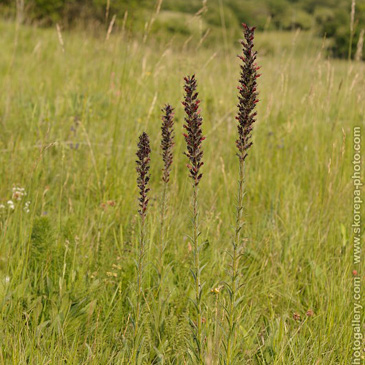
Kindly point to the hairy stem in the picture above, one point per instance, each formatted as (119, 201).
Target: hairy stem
(139, 288)
(198, 334)
(162, 228)
(140, 274)
(235, 260)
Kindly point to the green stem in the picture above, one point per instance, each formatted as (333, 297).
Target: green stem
(197, 276)
(235, 260)
(162, 228)
(139, 285)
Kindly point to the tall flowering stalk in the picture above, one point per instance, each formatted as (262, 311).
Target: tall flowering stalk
(143, 178)
(246, 117)
(157, 315)
(194, 138)
(167, 144)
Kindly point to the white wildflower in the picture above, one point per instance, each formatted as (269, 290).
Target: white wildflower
(26, 206)
(11, 204)
(18, 193)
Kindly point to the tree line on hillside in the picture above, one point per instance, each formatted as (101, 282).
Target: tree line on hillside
(330, 18)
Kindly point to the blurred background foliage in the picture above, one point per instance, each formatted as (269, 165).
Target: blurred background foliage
(326, 18)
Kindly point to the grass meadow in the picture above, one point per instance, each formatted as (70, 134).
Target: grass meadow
(70, 118)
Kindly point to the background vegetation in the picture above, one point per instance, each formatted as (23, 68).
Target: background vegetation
(326, 18)
(72, 106)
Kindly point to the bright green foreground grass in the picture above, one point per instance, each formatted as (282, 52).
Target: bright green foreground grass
(67, 274)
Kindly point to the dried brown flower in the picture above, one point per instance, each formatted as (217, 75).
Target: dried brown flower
(310, 313)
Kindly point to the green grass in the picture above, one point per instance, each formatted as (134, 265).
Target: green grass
(67, 272)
